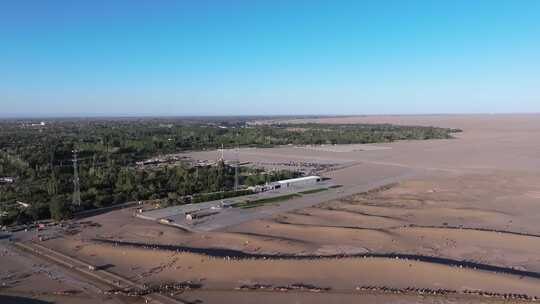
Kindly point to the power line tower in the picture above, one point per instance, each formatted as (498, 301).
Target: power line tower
(237, 164)
(76, 186)
(220, 166)
(220, 154)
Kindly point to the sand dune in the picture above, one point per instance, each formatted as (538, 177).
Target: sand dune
(346, 273)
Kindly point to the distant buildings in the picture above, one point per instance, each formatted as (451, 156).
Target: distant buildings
(23, 205)
(156, 161)
(34, 124)
(7, 180)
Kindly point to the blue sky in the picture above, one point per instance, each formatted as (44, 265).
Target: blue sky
(164, 57)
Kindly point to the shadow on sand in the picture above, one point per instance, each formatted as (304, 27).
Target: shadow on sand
(20, 300)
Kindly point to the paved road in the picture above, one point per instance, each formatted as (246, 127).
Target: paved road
(234, 216)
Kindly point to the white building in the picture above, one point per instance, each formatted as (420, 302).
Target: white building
(301, 181)
(22, 204)
(7, 180)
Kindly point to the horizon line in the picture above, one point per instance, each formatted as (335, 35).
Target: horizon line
(128, 116)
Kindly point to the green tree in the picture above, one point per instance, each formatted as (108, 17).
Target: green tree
(125, 181)
(59, 209)
(52, 185)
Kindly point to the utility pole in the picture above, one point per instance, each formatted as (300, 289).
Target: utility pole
(236, 171)
(220, 164)
(222, 150)
(76, 186)
(51, 158)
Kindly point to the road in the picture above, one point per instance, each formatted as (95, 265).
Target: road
(235, 216)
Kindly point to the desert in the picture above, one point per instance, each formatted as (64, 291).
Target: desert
(435, 221)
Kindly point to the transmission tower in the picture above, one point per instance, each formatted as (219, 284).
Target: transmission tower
(220, 153)
(76, 186)
(237, 164)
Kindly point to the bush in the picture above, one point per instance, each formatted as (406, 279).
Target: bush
(60, 209)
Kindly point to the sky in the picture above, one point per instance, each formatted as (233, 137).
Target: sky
(275, 57)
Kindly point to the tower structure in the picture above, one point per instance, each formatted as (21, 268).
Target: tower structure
(220, 154)
(76, 186)
(237, 164)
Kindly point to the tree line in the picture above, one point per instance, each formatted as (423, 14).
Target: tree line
(40, 159)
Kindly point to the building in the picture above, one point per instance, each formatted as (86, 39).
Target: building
(301, 181)
(23, 205)
(259, 188)
(7, 180)
(201, 213)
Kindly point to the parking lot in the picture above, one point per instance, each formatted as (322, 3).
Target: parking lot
(221, 213)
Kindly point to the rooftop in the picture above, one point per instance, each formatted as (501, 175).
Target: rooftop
(299, 179)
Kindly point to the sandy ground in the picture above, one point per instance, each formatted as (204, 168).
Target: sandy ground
(337, 298)
(497, 142)
(475, 198)
(25, 279)
(436, 209)
(338, 273)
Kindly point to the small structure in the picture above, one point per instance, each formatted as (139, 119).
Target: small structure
(7, 180)
(23, 205)
(165, 221)
(260, 188)
(226, 203)
(200, 214)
